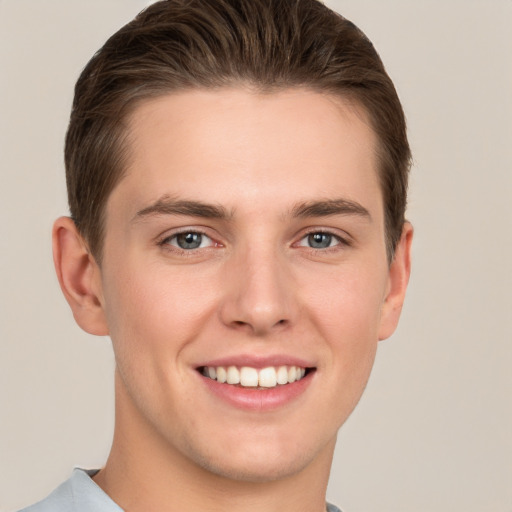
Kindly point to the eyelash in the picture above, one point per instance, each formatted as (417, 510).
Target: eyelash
(341, 241)
(165, 242)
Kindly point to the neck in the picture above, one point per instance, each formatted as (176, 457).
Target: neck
(144, 472)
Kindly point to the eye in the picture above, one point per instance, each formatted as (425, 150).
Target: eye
(320, 240)
(189, 240)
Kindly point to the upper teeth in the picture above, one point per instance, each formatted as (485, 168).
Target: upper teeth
(251, 377)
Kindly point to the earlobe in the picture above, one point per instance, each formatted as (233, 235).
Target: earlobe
(79, 277)
(398, 278)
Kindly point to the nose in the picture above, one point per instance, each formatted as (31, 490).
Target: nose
(258, 293)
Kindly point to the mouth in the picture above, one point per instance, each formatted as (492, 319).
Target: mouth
(255, 378)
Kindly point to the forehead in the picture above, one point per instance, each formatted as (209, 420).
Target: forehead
(235, 146)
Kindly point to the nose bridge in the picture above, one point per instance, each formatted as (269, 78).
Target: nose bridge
(259, 295)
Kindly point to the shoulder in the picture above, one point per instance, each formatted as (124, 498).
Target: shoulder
(77, 494)
(60, 499)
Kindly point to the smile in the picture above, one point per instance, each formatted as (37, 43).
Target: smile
(249, 377)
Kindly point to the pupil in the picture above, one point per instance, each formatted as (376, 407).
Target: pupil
(189, 240)
(319, 240)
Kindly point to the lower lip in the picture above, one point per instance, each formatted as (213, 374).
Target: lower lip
(261, 399)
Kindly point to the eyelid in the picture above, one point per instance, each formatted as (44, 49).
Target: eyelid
(343, 238)
(204, 239)
(163, 240)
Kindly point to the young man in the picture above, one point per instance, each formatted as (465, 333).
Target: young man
(237, 175)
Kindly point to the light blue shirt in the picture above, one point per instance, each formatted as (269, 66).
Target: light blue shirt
(81, 494)
(77, 494)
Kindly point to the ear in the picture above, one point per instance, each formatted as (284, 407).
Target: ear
(79, 277)
(398, 277)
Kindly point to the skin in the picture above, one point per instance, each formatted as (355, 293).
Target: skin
(255, 287)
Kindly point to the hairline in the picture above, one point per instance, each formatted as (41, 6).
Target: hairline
(125, 142)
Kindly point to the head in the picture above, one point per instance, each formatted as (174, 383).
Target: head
(267, 45)
(237, 176)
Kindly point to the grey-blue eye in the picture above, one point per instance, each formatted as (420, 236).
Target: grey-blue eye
(319, 240)
(190, 240)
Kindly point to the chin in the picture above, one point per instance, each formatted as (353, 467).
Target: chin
(254, 471)
(253, 462)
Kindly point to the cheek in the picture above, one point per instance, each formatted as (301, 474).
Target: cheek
(347, 316)
(155, 313)
(347, 308)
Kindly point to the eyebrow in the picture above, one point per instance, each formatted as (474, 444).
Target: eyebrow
(169, 206)
(323, 208)
(329, 207)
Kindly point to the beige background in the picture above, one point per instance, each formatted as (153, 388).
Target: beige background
(434, 429)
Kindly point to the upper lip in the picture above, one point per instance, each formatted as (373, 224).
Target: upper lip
(256, 361)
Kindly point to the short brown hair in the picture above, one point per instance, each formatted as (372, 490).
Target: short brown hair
(268, 44)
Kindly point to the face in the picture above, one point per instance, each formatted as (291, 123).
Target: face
(246, 243)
